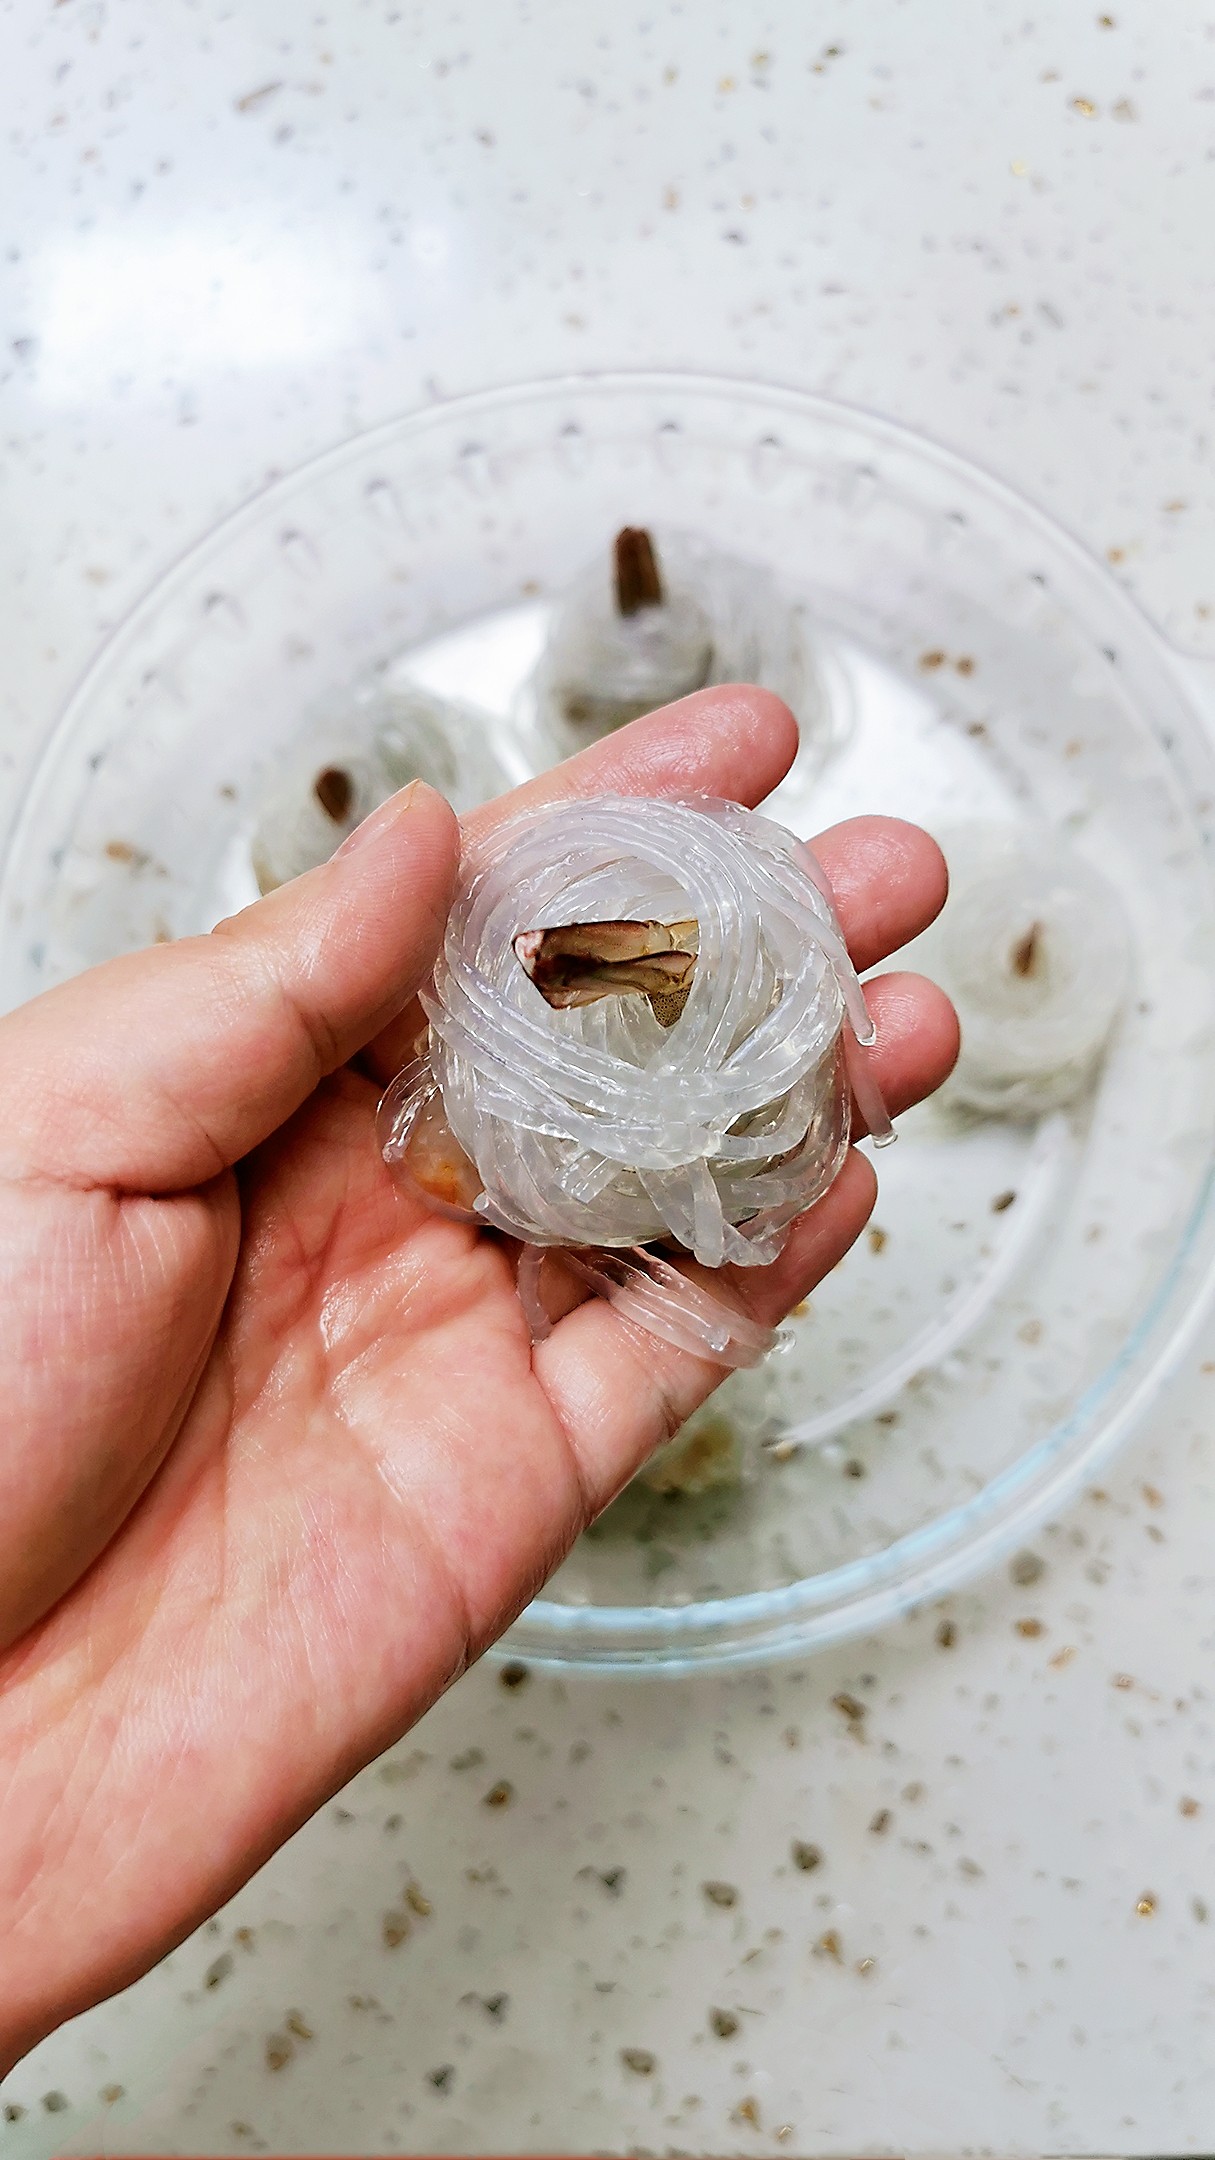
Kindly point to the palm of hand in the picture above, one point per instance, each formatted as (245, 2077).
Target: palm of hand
(306, 1463)
(367, 1478)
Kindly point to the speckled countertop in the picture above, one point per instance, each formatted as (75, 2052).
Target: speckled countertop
(712, 1915)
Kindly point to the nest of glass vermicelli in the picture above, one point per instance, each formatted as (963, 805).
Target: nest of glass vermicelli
(354, 757)
(662, 613)
(1033, 949)
(643, 1026)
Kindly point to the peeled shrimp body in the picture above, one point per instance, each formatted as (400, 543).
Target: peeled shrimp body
(1032, 947)
(601, 1130)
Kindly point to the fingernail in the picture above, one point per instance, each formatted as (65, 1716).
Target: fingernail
(397, 806)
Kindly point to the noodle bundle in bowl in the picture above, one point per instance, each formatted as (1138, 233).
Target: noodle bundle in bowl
(664, 613)
(643, 1027)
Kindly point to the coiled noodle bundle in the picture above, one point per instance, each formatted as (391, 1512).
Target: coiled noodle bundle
(598, 1127)
(357, 755)
(709, 617)
(1033, 949)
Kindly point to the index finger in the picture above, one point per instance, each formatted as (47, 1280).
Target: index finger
(732, 740)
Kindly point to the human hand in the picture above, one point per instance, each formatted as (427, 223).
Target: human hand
(278, 1456)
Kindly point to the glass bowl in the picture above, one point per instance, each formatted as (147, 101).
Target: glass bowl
(1025, 1289)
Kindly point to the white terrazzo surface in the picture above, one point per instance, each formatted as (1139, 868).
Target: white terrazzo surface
(232, 236)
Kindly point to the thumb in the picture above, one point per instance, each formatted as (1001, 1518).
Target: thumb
(157, 1070)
